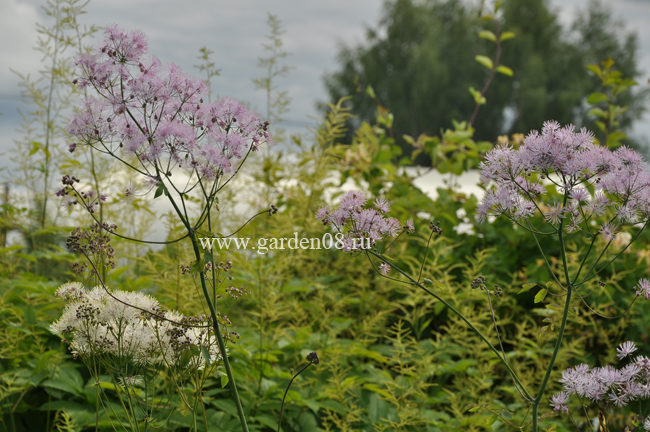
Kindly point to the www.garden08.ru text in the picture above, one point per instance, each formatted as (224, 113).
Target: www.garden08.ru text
(264, 244)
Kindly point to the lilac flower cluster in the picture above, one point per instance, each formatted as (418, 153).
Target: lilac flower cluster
(159, 115)
(358, 221)
(617, 387)
(592, 179)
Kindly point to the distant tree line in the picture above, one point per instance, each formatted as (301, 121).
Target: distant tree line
(420, 62)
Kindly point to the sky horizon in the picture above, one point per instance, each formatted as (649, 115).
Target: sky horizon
(313, 31)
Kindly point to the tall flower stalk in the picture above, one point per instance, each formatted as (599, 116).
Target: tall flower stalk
(601, 192)
(561, 177)
(159, 124)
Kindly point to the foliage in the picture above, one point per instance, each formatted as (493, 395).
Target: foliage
(606, 109)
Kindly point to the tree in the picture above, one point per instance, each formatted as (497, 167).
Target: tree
(420, 63)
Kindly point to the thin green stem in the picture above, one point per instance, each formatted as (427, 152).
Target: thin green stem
(518, 384)
(213, 316)
(560, 335)
(595, 272)
(220, 341)
(426, 255)
(584, 259)
(284, 397)
(548, 264)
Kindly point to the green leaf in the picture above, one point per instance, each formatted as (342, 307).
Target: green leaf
(505, 70)
(506, 35)
(485, 61)
(614, 139)
(596, 98)
(67, 379)
(29, 315)
(225, 405)
(206, 355)
(108, 386)
(597, 112)
(307, 422)
(595, 69)
(478, 98)
(540, 296)
(487, 34)
(409, 139)
(207, 256)
(159, 190)
(375, 388)
(35, 147)
(371, 92)
(266, 420)
(527, 287)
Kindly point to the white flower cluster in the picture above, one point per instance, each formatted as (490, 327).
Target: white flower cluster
(132, 326)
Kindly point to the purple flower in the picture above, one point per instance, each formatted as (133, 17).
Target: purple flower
(625, 349)
(608, 232)
(579, 194)
(643, 289)
(323, 215)
(618, 387)
(580, 169)
(382, 205)
(157, 114)
(362, 227)
(554, 213)
(384, 268)
(353, 201)
(559, 402)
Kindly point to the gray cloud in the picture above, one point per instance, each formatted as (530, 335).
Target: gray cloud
(235, 31)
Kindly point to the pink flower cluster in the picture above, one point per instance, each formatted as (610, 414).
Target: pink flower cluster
(159, 115)
(606, 384)
(593, 178)
(359, 222)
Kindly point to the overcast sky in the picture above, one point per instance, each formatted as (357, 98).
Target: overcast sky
(234, 30)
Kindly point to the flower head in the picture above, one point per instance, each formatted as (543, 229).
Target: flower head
(625, 349)
(607, 384)
(592, 179)
(643, 289)
(382, 205)
(559, 402)
(358, 222)
(131, 326)
(157, 114)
